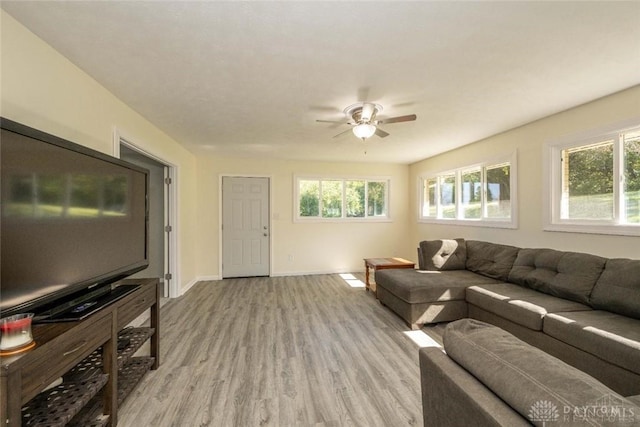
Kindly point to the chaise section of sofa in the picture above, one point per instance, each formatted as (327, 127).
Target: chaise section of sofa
(421, 297)
(438, 293)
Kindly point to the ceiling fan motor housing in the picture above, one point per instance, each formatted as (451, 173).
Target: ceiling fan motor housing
(363, 112)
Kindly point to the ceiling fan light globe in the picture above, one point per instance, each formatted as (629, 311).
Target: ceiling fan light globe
(364, 130)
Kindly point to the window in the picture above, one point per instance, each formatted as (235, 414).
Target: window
(587, 181)
(498, 204)
(595, 184)
(471, 194)
(331, 197)
(429, 202)
(376, 199)
(309, 199)
(354, 197)
(475, 195)
(447, 186)
(341, 199)
(631, 176)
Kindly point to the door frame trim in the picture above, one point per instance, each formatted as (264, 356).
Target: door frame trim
(120, 137)
(220, 201)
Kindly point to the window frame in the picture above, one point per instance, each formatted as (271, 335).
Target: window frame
(553, 179)
(483, 221)
(343, 218)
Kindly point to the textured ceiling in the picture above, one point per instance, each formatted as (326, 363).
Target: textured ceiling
(251, 78)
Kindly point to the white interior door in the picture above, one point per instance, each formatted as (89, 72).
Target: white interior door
(245, 227)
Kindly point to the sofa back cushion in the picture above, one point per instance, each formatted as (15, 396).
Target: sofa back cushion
(443, 254)
(490, 259)
(618, 288)
(569, 275)
(529, 380)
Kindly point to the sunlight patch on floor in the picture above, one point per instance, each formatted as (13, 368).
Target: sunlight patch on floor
(352, 280)
(422, 339)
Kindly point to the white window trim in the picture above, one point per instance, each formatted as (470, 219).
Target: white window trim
(296, 198)
(552, 183)
(510, 223)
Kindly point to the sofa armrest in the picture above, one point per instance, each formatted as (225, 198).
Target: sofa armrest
(452, 397)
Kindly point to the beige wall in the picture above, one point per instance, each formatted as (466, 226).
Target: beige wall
(318, 247)
(42, 89)
(529, 141)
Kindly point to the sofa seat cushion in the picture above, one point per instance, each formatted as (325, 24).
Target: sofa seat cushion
(609, 336)
(415, 286)
(523, 306)
(569, 275)
(526, 378)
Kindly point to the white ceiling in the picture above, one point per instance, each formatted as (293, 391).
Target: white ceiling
(251, 78)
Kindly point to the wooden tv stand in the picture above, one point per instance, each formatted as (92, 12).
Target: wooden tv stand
(65, 348)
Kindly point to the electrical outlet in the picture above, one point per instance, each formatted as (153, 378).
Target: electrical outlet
(290, 258)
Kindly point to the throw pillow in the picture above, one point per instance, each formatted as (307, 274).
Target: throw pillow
(443, 254)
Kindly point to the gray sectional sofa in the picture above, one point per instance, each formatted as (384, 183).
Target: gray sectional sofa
(488, 377)
(581, 308)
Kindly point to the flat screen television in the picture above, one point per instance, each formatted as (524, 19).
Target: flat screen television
(73, 221)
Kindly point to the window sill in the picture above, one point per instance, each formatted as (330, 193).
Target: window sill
(470, 222)
(340, 220)
(616, 230)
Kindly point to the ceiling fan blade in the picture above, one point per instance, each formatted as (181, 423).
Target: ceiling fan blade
(381, 133)
(408, 118)
(342, 133)
(332, 121)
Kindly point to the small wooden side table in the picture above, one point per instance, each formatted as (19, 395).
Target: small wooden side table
(383, 263)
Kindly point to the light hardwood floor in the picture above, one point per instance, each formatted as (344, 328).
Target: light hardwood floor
(281, 351)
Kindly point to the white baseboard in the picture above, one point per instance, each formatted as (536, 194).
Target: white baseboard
(207, 278)
(310, 273)
(189, 285)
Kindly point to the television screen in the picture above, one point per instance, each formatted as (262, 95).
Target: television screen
(72, 218)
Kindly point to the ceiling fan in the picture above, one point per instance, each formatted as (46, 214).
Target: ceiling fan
(363, 121)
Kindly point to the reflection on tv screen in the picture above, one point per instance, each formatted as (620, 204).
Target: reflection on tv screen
(67, 195)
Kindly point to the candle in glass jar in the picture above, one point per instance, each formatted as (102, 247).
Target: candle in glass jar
(15, 331)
